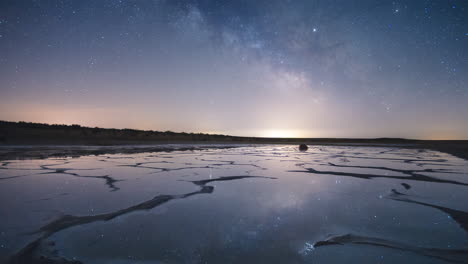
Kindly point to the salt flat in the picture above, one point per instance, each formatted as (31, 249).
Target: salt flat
(249, 204)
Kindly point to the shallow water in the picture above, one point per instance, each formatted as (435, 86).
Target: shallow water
(269, 204)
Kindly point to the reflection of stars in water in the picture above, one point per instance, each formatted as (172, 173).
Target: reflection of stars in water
(308, 247)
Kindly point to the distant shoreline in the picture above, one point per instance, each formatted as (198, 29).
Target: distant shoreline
(21, 140)
(19, 152)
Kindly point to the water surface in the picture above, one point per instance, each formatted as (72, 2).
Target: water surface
(268, 204)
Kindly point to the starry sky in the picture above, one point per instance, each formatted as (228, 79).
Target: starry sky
(315, 68)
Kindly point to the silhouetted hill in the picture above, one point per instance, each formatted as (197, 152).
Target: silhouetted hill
(37, 133)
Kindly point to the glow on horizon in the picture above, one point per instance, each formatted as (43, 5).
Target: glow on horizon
(282, 69)
(281, 133)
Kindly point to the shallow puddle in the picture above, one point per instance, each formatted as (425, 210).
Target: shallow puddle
(267, 204)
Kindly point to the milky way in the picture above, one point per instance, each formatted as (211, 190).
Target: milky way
(249, 68)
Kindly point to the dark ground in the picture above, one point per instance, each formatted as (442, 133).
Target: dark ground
(20, 140)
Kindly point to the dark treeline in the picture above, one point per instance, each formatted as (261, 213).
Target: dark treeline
(37, 133)
(26, 132)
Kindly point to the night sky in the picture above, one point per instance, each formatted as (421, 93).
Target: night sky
(368, 68)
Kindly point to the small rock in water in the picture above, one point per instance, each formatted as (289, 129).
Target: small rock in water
(303, 147)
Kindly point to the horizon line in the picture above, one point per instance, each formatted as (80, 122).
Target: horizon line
(229, 135)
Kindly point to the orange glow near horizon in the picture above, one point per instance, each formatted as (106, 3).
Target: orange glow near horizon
(281, 133)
